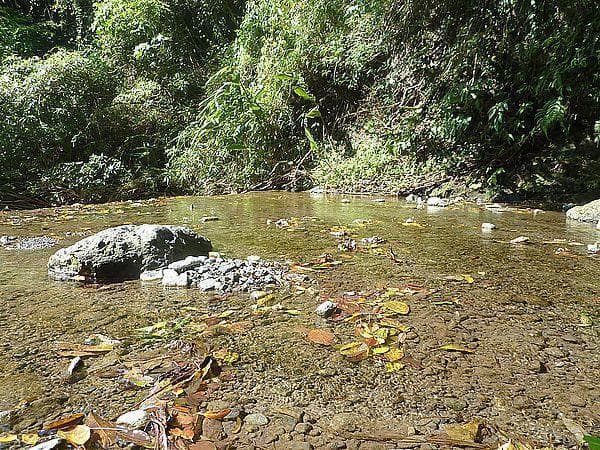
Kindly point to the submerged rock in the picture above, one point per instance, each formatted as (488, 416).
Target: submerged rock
(437, 202)
(590, 212)
(123, 252)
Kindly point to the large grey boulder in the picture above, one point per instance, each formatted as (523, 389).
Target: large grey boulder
(123, 252)
(590, 212)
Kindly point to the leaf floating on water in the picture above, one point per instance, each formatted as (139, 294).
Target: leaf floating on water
(322, 337)
(464, 432)
(76, 436)
(456, 348)
(65, 422)
(397, 307)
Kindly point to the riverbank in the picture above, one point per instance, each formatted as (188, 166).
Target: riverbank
(505, 334)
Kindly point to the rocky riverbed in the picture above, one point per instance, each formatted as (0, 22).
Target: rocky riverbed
(442, 328)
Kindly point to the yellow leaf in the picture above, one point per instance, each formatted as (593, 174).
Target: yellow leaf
(381, 350)
(391, 367)
(397, 307)
(355, 351)
(464, 432)
(456, 348)
(8, 438)
(77, 436)
(468, 278)
(30, 438)
(586, 321)
(413, 224)
(394, 354)
(389, 322)
(266, 300)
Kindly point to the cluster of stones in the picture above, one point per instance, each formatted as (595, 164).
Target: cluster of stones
(218, 274)
(27, 243)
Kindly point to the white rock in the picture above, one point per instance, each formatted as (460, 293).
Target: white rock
(173, 278)
(437, 201)
(257, 295)
(598, 225)
(256, 419)
(133, 419)
(48, 445)
(520, 240)
(210, 284)
(326, 308)
(411, 198)
(151, 275)
(188, 263)
(593, 248)
(253, 259)
(486, 226)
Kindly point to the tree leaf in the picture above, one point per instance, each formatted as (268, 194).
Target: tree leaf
(593, 442)
(322, 337)
(77, 436)
(464, 432)
(102, 430)
(397, 307)
(65, 422)
(216, 415)
(302, 93)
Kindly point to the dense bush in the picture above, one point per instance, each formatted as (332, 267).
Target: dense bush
(389, 95)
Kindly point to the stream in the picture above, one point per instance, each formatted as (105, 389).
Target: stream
(523, 318)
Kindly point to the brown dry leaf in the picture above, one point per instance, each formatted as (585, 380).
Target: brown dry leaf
(355, 351)
(202, 445)
(65, 422)
(322, 337)
(76, 436)
(397, 307)
(216, 415)
(469, 431)
(456, 348)
(102, 430)
(186, 433)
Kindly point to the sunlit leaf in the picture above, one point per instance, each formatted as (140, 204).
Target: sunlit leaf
(464, 432)
(397, 307)
(77, 436)
(322, 337)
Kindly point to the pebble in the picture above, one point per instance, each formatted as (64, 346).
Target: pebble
(593, 248)
(188, 263)
(437, 202)
(48, 445)
(575, 400)
(133, 419)
(152, 275)
(303, 428)
(209, 219)
(209, 284)
(326, 308)
(486, 226)
(256, 419)
(172, 278)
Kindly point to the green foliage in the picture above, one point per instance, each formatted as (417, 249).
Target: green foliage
(20, 36)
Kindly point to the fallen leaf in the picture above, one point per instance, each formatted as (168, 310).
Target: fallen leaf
(8, 438)
(65, 422)
(187, 433)
(392, 367)
(322, 337)
(30, 438)
(76, 436)
(137, 437)
(468, 278)
(216, 415)
(585, 320)
(381, 349)
(103, 431)
(593, 442)
(394, 354)
(355, 351)
(464, 432)
(389, 322)
(456, 348)
(397, 307)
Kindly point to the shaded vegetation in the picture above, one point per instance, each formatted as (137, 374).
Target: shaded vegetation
(370, 95)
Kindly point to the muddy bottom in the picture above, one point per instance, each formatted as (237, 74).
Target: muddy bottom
(499, 333)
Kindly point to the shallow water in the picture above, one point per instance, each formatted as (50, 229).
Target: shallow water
(35, 312)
